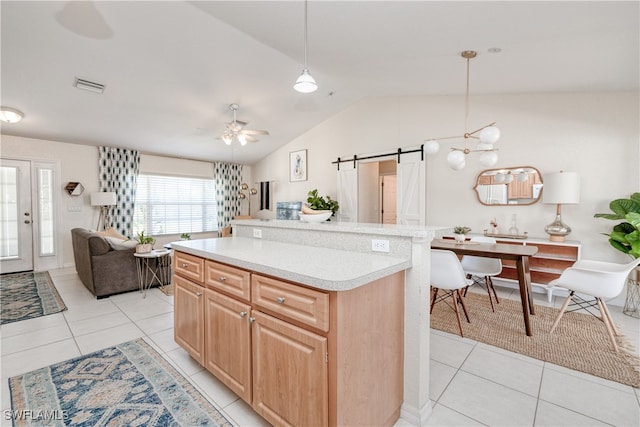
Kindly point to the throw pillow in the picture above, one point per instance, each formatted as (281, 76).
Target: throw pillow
(111, 232)
(119, 244)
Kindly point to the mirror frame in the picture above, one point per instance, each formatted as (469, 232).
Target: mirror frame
(475, 187)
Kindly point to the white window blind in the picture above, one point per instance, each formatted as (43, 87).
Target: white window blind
(174, 205)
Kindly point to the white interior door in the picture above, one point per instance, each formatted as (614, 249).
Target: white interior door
(368, 198)
(348, 192)
(411, 190)
(16, 216)
(388, 191)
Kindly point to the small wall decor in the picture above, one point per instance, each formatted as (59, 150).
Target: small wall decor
(298, 165)
(74, 188)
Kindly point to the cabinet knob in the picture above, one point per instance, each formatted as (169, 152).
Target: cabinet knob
(280, 300)
(198, 294)
(222, 278)
(243, 313)
(252, 319)
(184, 265)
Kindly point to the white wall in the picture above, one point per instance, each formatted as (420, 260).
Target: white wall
(594, 134)
(80, 163)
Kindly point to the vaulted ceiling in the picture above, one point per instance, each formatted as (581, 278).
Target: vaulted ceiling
(171, 68)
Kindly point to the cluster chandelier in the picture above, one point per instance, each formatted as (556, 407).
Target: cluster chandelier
(305, 83)
(487, 136)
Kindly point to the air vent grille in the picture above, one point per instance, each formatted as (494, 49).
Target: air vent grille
(88, 85)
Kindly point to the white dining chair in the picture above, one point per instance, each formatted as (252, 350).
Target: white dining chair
(481, 269)
(599, 280)
(447, 274)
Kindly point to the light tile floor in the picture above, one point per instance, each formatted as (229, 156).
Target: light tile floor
(471, 383)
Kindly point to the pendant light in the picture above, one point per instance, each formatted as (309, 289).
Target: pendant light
(305, 83)
(488, 135)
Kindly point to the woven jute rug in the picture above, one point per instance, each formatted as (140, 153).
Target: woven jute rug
(28, 295)
(129, 384)
(580, 341)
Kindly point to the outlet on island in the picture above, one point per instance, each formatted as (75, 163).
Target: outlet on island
(257, 233)
(379, 245)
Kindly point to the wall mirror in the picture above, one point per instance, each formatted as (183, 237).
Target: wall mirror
(520, 185)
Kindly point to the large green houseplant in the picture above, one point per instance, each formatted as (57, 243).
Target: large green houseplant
(625, 236)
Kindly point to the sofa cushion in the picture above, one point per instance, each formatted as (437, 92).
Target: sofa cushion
(119, 244)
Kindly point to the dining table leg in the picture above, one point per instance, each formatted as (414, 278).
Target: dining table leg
(524, 281)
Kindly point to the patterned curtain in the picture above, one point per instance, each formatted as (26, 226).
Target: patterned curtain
(228, 178)
(119, 173)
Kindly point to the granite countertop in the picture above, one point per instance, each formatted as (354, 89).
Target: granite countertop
(322, 268)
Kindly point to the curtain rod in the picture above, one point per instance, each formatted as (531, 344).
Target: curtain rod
(397, 153)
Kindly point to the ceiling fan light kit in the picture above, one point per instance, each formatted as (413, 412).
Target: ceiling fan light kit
(235, 130)
(487, 136)
(305, 83)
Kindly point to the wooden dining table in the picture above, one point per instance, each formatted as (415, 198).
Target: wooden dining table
(518, 253)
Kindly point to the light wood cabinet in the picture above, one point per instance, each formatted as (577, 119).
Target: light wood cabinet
(188, 312)
(299, 356)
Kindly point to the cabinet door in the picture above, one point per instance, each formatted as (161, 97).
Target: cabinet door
(227, 341)
(188, 328)
(289, 373)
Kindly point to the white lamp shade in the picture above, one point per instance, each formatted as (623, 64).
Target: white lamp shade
(432, 146)
(561, 188)
(305, 83)
(488, 158)
(456, 159)
(105, 198)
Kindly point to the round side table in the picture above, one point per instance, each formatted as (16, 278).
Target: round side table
(153, 266)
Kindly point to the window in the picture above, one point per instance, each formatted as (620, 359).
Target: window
(174, 205)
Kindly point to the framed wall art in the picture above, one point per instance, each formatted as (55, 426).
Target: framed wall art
(298, 165)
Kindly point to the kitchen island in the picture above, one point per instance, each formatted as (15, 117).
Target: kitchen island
(284, 300)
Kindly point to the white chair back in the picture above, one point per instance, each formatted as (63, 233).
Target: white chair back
(446, 270)
(482, 266)
(597, 278)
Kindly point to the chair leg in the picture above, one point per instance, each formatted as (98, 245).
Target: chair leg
(562, 310)
(464, 307)
(611, 322)
(493, 289)
(605, 319)
(488, 286)
(455, 295)
(434, 294)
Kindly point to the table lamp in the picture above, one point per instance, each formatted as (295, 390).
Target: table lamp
(103, 200)
(560, 188)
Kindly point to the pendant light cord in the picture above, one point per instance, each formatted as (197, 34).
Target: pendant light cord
(466, 106)
(305, 34)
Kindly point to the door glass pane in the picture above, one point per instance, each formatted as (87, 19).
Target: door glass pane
(45, 210)
(9, 212)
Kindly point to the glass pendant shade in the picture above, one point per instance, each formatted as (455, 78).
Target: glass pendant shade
(305, 83)
(432, 147)
(242, 139)
(227, 139)
(456, 159)
(488, 158)
(490, 135)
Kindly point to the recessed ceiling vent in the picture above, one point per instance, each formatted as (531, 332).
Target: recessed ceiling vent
(87, 85)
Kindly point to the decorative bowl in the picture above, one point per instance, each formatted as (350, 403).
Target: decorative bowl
(315, 217)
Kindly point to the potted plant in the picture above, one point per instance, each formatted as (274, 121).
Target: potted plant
(185, 236)
(145, 243)
(625, 236)
(460, 233)
(316, 202)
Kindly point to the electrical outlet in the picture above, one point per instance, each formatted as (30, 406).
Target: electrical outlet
(257, 233)
(380, 245)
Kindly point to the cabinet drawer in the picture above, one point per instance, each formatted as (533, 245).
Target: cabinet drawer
(305, 305)
(189, 266)
(230, 280)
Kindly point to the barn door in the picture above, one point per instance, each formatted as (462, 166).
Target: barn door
(411, 189)
(348, 192)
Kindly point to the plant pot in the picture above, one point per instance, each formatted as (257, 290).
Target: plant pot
(460, 238)
(144, 248)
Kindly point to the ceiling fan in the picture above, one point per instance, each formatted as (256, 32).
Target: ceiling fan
(235, 130)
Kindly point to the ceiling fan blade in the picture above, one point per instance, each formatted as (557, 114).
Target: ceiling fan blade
(254, 132)
(250, 138)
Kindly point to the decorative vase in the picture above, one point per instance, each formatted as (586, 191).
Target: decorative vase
(144, 248)
(460, 238)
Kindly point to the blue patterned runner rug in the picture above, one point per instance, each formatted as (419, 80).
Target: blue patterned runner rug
(28, 295)
(129, 384)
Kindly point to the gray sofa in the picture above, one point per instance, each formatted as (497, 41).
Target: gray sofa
(103, 270)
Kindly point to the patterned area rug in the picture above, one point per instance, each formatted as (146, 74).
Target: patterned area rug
(580, 342)
(28, 295)
(128, 384)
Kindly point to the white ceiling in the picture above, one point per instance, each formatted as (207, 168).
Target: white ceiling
(171, 68)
